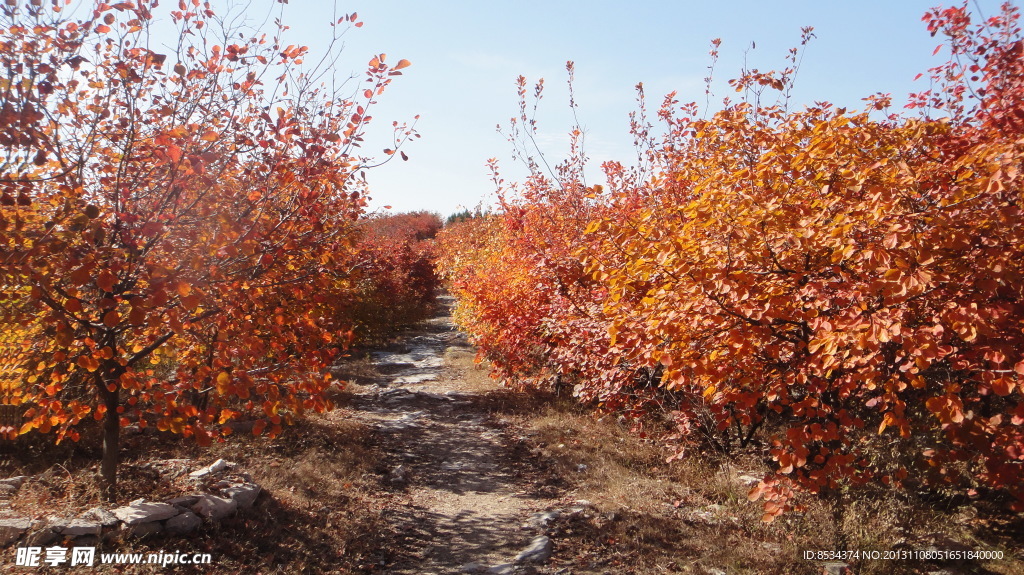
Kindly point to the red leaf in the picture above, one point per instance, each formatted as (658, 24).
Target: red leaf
(106, 280)
(111, 319)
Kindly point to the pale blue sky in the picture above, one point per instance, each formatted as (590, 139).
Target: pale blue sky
(467, 54)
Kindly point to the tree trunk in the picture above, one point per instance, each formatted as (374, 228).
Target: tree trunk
(111, 440)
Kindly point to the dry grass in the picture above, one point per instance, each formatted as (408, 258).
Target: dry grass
(465, 373)
(693, 516)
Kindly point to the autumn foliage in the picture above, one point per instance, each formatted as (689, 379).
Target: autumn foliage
(392, 277)
(176, 227)
(841, 289)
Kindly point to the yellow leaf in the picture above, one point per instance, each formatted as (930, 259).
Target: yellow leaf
(226, 415)
(177, 425)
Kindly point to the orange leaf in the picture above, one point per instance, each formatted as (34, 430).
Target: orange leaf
(88, 362)
(173, 152)
(756, 492)
(403, 63)
(226, 415)
(1003, 386)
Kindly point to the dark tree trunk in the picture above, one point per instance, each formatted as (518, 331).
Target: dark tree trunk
(111, 440)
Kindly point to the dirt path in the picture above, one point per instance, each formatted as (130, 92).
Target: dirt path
(464, 491)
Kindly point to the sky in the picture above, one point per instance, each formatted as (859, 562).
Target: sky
(467, 54)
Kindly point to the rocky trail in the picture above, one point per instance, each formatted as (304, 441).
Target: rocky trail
(467, 502)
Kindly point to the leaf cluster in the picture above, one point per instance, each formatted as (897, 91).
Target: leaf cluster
(839, 289)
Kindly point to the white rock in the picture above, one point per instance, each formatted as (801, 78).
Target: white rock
(42, 537)
(14, 482)
(56, 523)
(12, 529)
(538, 551)
(213, 468)
(244, 494)
(142, 512)
(416, 378)
(215, 508)
(399, 475)
(104, 517)
(542, 520)
(78, 527)
(187, 522)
